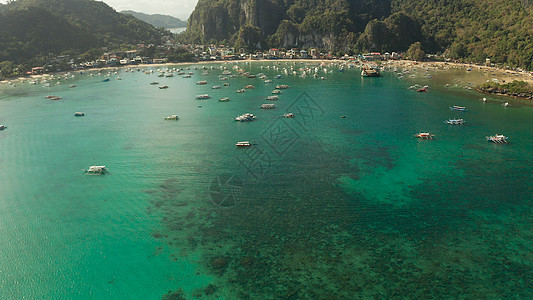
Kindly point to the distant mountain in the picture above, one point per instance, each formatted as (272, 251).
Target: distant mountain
(32, 28)
(157, 20)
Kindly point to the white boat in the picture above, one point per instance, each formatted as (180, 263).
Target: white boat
(241, 91)
(216, 87)
(497, 138)
(154, 82)
(288, 115)
(282, 86)
(95, 170)
(201, 82)
(2, 127)
(202, 97)
(424, 135)
(243, 144)
(455, 121)
(247, 117)
(163, 87)
(273, 98)
(172, 117)
(267, 106)
(223, 99)
(276, 92)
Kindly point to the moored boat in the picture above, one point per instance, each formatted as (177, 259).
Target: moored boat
(276, 91)
(458, 108)
(282, 86)
(2, 127)
(241, 90)
(95, 170)
(201, 82)
(223, 99)
(370, 72)
(288, 115)
(247, 117)
(497, 138)
(267, 106)
(455, 121)
(202, 97)
(424, 135)
(79, 114)
(154, 82)
(163, 87)
(172, 117)
(243, 144)
(273, 98)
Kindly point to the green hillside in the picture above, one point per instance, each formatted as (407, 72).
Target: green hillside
(464, 29)
(157, 20)
(36, 28)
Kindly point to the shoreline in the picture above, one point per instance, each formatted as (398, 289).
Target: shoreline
(498, 75)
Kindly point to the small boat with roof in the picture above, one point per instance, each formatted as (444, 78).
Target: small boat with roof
(424, 135)
(247, 117)
(202, 97)
(243, 144)
(458, 108)
(455, 121)
(95, 170)
(497, 138)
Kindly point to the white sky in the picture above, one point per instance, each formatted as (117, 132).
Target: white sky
(177, 8)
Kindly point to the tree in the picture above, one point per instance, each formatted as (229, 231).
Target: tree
(415, 52)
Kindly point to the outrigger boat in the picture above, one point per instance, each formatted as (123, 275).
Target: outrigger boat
(95, 170)
(267, 106)
(79, 114)
(282, 87)
(201, 97)
(163, 87)
(424, 135)
(154, 82)
(288, 115)
(172, 117)
(455, 121)
(247, 117)
(276, 92)
(201, 82)
(273, 98)
(369, 72)
(497, 138)
(459, 108)
(243, 144)
(53, 97)
(2, 127)
(223, 99)
(241, 91)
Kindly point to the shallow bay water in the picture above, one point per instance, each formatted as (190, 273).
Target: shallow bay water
(320, 207)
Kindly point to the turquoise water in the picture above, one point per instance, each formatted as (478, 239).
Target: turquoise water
(320, 207)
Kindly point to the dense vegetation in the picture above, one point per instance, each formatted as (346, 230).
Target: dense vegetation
(515, 88)
(469, 30)
(34, 31)
(157, 20)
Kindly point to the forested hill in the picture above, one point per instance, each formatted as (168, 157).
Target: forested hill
(157, 20)
(469, 29)
(33, 28)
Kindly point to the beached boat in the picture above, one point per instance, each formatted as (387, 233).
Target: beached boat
(455, 121)
(497, 138)
(223, 99)
(79, 114)
(202, 97)
(247, 117)
(95, 170)
(2, 127)
(424, 135)
(288, 115)
(370, 72)
(458, 108)
(267, 106)
(243, 144)
(172, 117)
(273, 98)
(201, 82)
